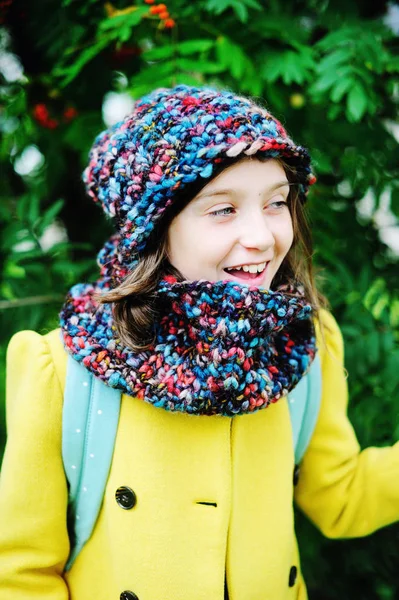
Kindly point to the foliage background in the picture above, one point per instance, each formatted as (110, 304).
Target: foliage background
(327, 68)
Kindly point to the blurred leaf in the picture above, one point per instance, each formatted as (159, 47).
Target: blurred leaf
(194, 46)
(330, 78)
(357, 102)
(125, 21)
(341, 88)
(160, 52)
(201, 66)
(240, 7)
(28, 208)
(68, 74)
(332, 60)
(394, 313)
(292, 67)
(49, 216)
(231, 56)
(392, 65)
(395, 201)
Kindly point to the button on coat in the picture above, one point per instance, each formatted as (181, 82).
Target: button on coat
(292, 577)
(297, 471)
(128, 596)
(125, 497)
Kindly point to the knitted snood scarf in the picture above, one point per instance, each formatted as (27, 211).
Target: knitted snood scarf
(220, 348)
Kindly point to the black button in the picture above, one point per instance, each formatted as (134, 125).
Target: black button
(126, 498)
(296, 474)
(126, 595)
(292, 577)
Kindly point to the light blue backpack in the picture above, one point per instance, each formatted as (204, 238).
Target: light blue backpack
(90, 421)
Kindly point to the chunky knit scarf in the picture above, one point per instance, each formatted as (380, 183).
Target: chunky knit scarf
(220, 348)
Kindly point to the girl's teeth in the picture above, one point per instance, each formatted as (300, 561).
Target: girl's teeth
(249, 268)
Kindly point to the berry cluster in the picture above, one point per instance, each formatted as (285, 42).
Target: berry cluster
(42, 115)
(162, 11)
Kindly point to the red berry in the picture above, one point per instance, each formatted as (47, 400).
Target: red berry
(70, 113)
(169, 23)
(154, 10)
(40, 112)
(149, 1)
(164, 15)
(162, 7)
(51, 124)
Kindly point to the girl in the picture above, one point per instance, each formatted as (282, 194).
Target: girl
(205, 316)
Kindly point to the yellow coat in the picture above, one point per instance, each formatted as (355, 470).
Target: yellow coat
(169, 546)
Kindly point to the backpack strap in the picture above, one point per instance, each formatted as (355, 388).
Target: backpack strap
(89, 424)
(304, 405)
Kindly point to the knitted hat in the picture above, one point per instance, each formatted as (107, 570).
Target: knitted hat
(173, 138)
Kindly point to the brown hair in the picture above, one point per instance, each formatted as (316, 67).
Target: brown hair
(133, 299)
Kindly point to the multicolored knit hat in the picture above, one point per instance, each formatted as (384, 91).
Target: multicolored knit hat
(175, 137)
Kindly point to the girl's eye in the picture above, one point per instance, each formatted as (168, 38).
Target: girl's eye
(279, 204)
(222, 212)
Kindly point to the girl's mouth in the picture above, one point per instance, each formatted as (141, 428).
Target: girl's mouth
(247, 276)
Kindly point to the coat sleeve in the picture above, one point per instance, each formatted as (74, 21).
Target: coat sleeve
(33, 492)
(344, 491)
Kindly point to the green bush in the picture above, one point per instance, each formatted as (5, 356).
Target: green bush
(327, 69)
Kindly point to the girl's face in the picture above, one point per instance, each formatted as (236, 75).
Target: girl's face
(238, 228)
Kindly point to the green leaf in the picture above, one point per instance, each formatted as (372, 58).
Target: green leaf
(380, 305)
(392, 65)
(72, 71)
(241, 11)
(200, 66)
(272, 67)
(375, 291)
(395, 201)
(330, 78)
(231, 56)
(49, 216)
(14, 271)
(291, 66)
(122, 21)
(188, 79)
(340, 89)
(124, 34)
(160, 53)
(336, 57)
(344, 35)
(356, 102)
(306, 56)
(394, 313)
(373, 347)
(254, 4)
(218, 6)
(240, 7)
(150, 74)
(193, 46)
(184, 48)
(292, 71)
(28, 208)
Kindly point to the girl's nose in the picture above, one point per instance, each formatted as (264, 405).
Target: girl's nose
(255, 233)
